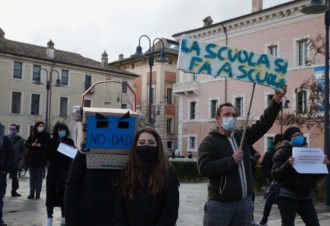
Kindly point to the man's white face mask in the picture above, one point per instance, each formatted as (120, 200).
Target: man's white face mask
(228, 123)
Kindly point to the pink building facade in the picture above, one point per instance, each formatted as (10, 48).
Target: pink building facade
(282, 31)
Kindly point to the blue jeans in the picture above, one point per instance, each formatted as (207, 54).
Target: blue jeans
(236, 213)
(36, 176)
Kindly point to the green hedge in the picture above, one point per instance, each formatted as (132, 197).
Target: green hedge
(186, 169)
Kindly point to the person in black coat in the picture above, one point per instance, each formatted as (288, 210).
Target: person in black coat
(295, 194)
(148, 192)
(89, 194)
(58, 166)
(267, 164)
(36, 158)
(7, 158)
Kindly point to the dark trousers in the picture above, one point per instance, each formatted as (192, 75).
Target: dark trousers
(3, 184)
(50, 211)
(36, 176)
(305, 209)
(14, 183)
(267, 208)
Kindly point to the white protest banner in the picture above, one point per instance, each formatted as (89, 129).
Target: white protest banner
(67, 150)
(309, 160)
(210, 58)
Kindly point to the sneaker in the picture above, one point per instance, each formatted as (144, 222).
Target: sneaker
(15, 194)
(30, 197)
(63, 221)
(49, 222)
(38, 197)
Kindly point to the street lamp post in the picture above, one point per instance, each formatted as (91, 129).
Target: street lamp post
(162, 58)
(316, 7)
(48, 94)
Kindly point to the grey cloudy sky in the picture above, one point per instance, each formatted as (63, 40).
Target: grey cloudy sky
(89, 27)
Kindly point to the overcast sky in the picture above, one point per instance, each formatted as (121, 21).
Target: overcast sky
(89, 27)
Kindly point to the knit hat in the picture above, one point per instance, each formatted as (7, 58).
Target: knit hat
(289, 132)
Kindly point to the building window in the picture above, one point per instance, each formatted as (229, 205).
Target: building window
(16, 100)
(124, 87)
(214, 107)
(123, 106)
(65, 77)
(301, 107)
(18, 66)
(87, 103)
(239, 106)
(36, 73)
(35, 104)
(63, 107)
(192, 143)
(169, 125)
(272, 50)
(302, 52)
(88, 81)
(192, 114)
(169, 144)
(169, 95)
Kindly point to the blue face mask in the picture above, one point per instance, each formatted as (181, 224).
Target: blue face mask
(298, 141)
(61, 133)
(228, 123)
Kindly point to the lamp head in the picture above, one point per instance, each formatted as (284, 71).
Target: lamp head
(162, 57)
(138, 52)
(314, 7)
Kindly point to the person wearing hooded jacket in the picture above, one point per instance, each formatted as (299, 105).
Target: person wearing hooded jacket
(36, 158)
(19, 149)
(58, 166)
(295, 193)
(228, 166)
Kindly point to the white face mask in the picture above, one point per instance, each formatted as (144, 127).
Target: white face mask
(228, 123)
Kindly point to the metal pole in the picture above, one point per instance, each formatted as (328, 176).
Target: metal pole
(47, 99)
(326, 102)
(151, 63)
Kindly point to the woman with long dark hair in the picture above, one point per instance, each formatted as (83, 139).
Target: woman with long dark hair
(58, 166)
(36, 158)
(148, 186)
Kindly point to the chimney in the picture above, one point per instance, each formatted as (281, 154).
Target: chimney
(256, 5)
(104, 59)
(2, 33)
(50, 51)
(121, 56)
(207, 21)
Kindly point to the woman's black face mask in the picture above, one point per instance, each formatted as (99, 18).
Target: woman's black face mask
(147, 153)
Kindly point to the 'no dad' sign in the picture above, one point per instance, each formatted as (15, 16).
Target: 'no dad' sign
(210, 58)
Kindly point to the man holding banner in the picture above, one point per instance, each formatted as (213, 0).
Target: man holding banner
(227, 165)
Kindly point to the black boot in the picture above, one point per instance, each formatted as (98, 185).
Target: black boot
(263, 221)
(15, 194)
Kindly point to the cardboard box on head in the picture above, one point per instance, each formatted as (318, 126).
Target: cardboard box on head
(106, 135)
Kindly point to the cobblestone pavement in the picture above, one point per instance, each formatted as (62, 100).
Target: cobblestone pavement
(21, 211)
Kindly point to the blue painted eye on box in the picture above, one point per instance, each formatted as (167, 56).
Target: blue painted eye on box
(110, 131)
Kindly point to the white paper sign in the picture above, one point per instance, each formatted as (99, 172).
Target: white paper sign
(67, 150)
(309, 160)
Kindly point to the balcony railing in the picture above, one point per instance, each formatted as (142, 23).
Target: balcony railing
(186, 87)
